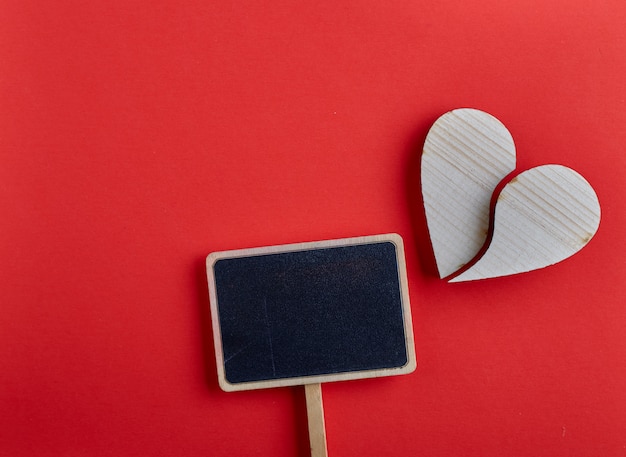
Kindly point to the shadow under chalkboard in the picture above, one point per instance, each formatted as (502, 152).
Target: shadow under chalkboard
(206, 332)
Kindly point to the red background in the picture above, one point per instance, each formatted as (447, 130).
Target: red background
(136, 137)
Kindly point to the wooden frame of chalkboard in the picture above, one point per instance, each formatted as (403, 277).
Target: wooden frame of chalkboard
(238, 295)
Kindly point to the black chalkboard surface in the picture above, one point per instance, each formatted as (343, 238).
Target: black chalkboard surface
(311, 312)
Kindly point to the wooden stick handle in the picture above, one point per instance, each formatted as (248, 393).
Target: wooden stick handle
(315, 416)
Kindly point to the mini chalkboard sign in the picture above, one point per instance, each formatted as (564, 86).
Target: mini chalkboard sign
(307, 313)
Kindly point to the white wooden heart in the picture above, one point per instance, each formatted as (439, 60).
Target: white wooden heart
(544, 215)
(466, 154)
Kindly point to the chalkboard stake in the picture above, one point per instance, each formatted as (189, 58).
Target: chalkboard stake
(315, 416)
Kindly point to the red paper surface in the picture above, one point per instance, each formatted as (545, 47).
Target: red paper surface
(136, 137)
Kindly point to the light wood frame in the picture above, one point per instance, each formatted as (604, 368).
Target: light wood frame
(404, 294)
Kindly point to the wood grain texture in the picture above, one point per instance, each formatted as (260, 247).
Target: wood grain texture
(404, 295)
(315, 419)
(466, 154)
(544, 215)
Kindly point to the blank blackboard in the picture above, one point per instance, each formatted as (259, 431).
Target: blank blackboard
(310, 312)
